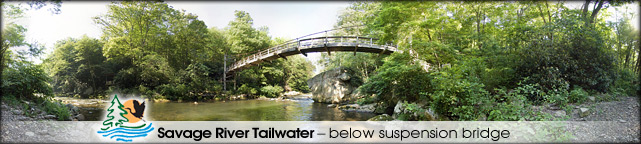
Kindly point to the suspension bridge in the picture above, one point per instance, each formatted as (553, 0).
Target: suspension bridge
(309, 44)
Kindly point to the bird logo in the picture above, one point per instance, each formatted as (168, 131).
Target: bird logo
(135, 110)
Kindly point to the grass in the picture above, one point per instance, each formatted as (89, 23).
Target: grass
(46, 104)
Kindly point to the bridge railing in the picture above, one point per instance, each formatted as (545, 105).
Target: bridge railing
(306, 43)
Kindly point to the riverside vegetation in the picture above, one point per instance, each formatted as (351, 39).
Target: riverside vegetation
(491, 60)
(148, 49)
(460, 60)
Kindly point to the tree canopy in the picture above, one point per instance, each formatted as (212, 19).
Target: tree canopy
(461, 58)
(158, 51)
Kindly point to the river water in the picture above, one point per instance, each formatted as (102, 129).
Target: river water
(240, 110)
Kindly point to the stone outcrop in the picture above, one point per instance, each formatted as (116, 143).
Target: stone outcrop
(400, 110)
(334, 86)
(383, 117)
(357, 108)
(584, 112)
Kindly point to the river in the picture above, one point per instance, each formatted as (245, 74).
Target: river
(300, 109)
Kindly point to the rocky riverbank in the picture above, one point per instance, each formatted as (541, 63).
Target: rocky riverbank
(623, 110)
(75, 107)
(10, 113)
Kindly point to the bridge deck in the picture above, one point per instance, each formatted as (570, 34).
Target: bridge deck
(319, 44)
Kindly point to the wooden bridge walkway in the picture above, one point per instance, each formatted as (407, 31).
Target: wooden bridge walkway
(309, 45)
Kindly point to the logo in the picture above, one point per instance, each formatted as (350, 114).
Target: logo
(124, 122)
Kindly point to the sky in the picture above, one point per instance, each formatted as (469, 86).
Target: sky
(286, 19)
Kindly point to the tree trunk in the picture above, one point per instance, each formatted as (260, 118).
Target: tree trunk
(542, 14)
(1, 68)
(639, 61)
(627, 56)
(428, 34)
(585, 8)
(548, 9)
(478, 28)
(596, 11)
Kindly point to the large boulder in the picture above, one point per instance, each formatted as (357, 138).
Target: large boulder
(334, 86)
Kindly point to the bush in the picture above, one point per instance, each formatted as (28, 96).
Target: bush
(457, 97)
(497, 67)
(532, 92)
(24, 79)
(626, 83)
(56, 108)
(45, 104)
(173, 91)
(398, 80)
(558, 97)
(197, 76)
(550, 79)
(271, 91)
(578, 95)
(146, 92)
(127, 78)
(366, 100)
(247, 90)
(154, 71)
(411, 112)
(509, 106)
(580, 58)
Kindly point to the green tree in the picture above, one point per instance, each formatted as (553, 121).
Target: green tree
(77, 65)
(13, 35)
(243, 38)
(398, 80)
(297, 71)
(140, 34)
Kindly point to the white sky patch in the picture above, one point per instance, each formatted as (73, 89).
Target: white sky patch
(74, 20)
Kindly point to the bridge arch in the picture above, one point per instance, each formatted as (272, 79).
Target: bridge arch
(310, 45)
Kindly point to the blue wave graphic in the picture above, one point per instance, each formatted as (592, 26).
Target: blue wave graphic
(126, 134)
(128, 130)
(124, 140)
(129, 136)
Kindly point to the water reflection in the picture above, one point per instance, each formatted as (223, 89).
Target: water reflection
(252, 110)
(242, 110)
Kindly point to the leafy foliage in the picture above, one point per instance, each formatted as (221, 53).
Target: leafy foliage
(456, 96)
(578, 95)
(271, 91)
(494, 59)
(161, 52)
(76, 65)
(24, 79)
(21, 79)
(397, 79)
(244, 89)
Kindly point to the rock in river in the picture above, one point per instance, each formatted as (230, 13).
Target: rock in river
(383, 117)
(50, 117)
(334, 86)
